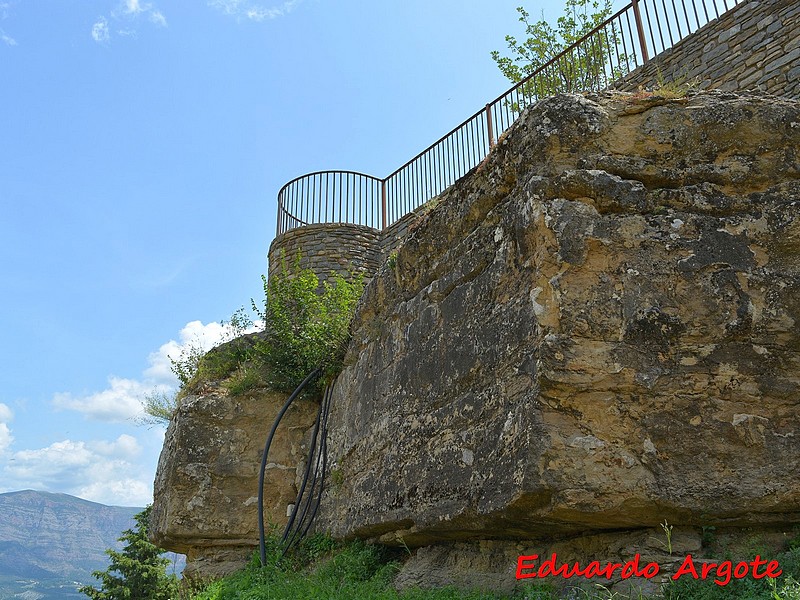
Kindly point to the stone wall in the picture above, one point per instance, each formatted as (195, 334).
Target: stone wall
(755, 46)
(341, 248)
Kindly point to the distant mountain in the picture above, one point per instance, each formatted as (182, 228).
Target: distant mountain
(51, 543)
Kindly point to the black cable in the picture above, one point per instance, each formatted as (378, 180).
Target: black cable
(324, 453)
(302, 489)
(261, 533)
(300, 531)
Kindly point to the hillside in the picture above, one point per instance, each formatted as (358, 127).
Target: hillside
(48, 542)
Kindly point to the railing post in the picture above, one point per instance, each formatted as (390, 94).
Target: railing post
(640, 30)
(383, 204)
(489, 124)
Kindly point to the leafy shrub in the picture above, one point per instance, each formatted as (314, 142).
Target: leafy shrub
(306, 325)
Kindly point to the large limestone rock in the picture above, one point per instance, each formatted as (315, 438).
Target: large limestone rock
(206, 485)
(596, 330)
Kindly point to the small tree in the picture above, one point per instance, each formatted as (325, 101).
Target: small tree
(136, 573)
(582, 69)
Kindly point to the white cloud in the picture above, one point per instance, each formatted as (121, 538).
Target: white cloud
(126, 492)
(128, 12)
(194, 335)
(116, 471)
(100, 30)
(99, 471)
(122, 399)
(133, 6)
(125, 446)
(7, 39)
(5, 432)
(253, 10)
(158, 18)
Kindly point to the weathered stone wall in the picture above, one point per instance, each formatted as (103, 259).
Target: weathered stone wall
(206, 486)
(394, 235)
(596, 330)
(340, 248)
(755, 46)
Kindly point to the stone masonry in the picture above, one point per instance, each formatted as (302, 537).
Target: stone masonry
(754, 46)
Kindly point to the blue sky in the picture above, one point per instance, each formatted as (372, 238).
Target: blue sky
(143, 145)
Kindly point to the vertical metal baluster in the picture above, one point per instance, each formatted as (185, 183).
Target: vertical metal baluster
(355, 202)
(450, 161)
(477, 142)
(446, 164)
(342, 201)
(348, 199)
(438, 168)
(636, 61)
(685, 18)
(650, 27)
(409, 183)
(404, 182)
(396, 199)
(303, 204)
(293, 201)
(279, 228)
(696, 16)
(460, 153)
(421, 197)
(288, 207)
(677, 20)
(429, 174)
(413, 193)
(666, 22)
(323, 185)
(613, 70)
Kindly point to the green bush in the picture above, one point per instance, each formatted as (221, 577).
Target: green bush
(306, 325)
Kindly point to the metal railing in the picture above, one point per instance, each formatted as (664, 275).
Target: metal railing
(623, 42)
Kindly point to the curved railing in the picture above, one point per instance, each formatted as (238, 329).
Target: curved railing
(330, 197)
(623, 42)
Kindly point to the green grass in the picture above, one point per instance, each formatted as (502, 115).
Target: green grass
(321, 568)
(785, 587)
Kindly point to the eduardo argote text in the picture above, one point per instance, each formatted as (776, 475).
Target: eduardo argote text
(529, 567)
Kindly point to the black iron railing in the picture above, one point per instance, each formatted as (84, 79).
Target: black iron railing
(623, 42)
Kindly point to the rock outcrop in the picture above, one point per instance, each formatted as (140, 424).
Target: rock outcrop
(598, 329)
(206, 487)
(595, 331)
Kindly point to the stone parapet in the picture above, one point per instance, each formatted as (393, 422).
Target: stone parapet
(326, 248)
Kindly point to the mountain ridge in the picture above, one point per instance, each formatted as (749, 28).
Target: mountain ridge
(50, 542)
